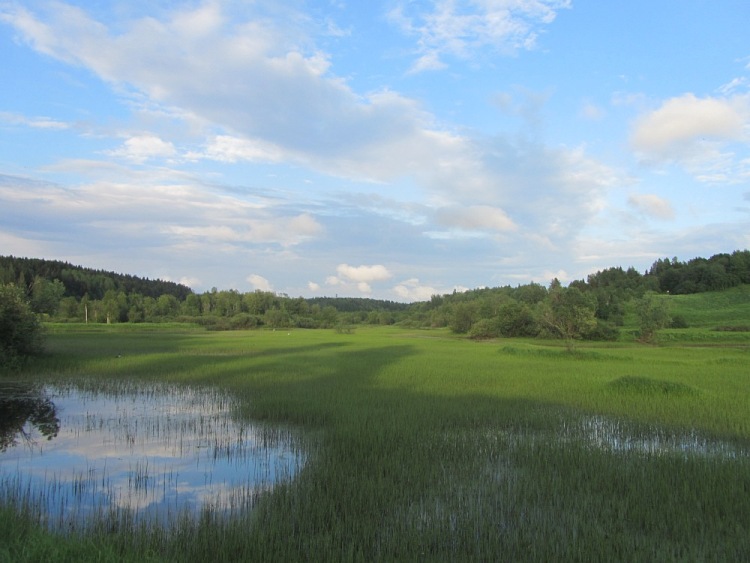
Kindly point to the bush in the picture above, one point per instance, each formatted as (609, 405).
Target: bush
(517, 319)
(20, 330)
(678, 321)
(484, 328)
(603, 331)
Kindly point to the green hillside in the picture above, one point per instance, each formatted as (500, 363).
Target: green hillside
(717, 309)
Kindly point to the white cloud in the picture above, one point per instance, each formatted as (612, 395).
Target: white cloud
(35, 122)
(366, 274)
(259, 282)
(413, 290)
(364, 287)
(680, 122)
(285, 231)
(250, 79)
(476, 217)
(226, 148)
(461, 28)
(267, 100)
(189, 281)
(652, 205)
(731, 87)
(706, 136)
(141, 148)
(312, 286)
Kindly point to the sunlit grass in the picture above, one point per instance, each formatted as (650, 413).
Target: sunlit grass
(425, 446)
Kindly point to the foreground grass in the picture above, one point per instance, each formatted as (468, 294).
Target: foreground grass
(429, 447)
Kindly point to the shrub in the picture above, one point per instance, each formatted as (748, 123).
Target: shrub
(678, 321)
(484, 328)
(603, 331)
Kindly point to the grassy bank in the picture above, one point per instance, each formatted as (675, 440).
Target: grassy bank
(425, 446)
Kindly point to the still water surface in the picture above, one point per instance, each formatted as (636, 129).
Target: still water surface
(135, 452)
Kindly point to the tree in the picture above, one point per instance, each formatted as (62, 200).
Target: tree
(653, 314)
(46, 295)
(568, 313)
(464, 315)
(20, 330)
(516, 319)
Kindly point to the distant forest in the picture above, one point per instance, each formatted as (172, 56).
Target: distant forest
(593, 308)
(80, 281)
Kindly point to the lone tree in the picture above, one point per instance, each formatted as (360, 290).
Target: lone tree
(568, 313)
(20, 330)
(653, 314)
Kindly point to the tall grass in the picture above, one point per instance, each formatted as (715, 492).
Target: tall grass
(423, 446)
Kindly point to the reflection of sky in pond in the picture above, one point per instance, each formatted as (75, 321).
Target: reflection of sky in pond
(156, 450)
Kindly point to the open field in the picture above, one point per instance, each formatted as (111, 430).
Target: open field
(425, 446)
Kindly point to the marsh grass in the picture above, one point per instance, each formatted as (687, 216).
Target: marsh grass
(423, 446)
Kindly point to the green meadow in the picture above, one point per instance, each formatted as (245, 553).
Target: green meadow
(426, 446)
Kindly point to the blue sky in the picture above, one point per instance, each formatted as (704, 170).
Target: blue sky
(393, 149)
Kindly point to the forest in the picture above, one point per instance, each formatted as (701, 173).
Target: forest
(592, 309)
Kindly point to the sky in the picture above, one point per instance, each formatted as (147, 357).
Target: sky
(390, 149)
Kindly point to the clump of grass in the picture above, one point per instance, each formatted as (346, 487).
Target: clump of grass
(648, 386)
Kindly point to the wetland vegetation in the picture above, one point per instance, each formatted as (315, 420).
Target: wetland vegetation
(425, 445)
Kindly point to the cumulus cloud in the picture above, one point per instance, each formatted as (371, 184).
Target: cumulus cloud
(364, 287)
(259, 282)
(355, 278)
(705, 136)
(680, 122)
(414, 290)
(652, 205)
(462, 28)
(365, 274)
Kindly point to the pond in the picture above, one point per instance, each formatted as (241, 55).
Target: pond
(135, 453)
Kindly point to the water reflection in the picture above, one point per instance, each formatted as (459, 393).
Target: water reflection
(138, 453)
(616, 435)
(23, 408)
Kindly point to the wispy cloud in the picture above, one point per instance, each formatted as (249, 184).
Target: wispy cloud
(462, 28)
(652, 205)
(35, 122)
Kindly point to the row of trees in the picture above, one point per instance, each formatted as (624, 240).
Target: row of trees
(594, 308)
(571, 313)
(221, 310)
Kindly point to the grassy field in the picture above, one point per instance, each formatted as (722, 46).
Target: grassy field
(425, 446)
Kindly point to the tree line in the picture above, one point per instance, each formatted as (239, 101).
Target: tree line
(80, 282)
(593, 309)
